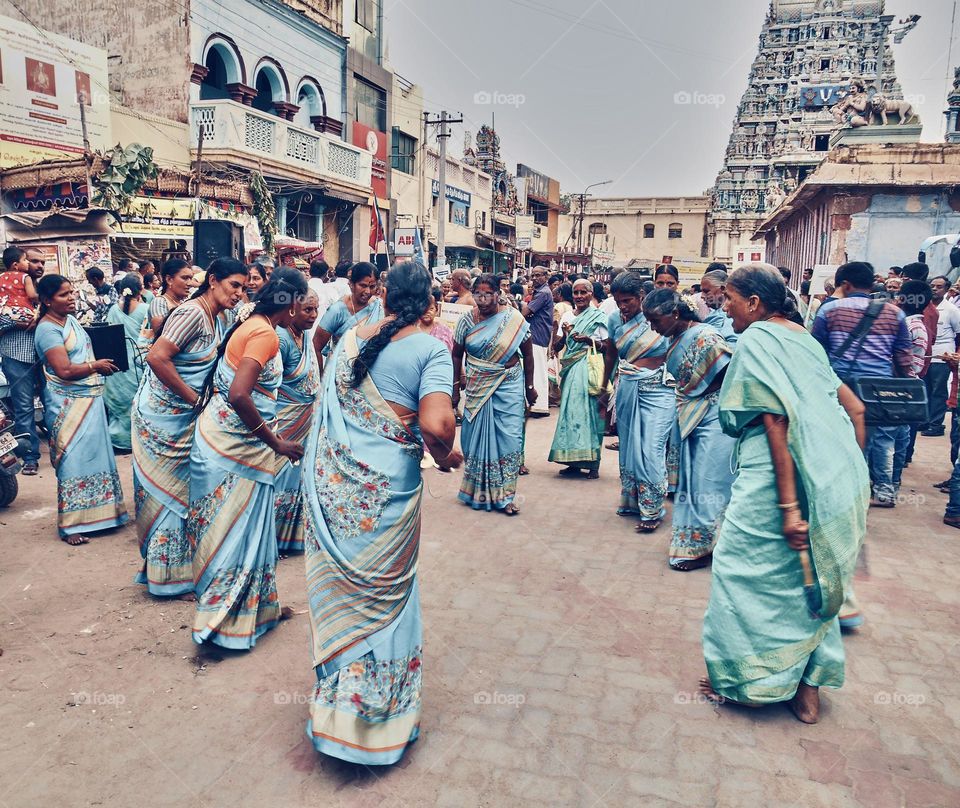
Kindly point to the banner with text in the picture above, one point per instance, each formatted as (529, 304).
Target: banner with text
(42, 77)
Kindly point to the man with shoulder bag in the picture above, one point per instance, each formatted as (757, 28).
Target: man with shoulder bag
(869, 347)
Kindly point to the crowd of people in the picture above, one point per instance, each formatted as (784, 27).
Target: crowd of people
(272, 412)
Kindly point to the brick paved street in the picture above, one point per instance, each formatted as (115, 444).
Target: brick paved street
(561, 661)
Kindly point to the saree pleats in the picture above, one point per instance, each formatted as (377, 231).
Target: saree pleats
(89, 497)
(646, 410)
(230, 522)
(762, 636)
(363, 494)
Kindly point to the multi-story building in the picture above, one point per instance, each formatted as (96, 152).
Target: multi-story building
(260, 85)
(639, 230)
(368, 94)
(809, 54)
(543, 204)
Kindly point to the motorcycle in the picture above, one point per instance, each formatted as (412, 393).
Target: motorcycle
(11, 449)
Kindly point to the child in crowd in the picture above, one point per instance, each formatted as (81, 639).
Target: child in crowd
(18, 296)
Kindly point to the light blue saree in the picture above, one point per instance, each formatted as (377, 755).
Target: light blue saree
(162, 432)
(89, 497)
(120, 388)
(491, 435)
(760, 639)
(230, 522)
(646, 410)
(695, 359)
(362, 490)
(296, 398)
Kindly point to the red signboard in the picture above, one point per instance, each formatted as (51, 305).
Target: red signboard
(376, 143)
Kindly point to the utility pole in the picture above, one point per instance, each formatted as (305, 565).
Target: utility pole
(442, 136)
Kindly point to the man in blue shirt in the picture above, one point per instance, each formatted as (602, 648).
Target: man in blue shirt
(539, 313)
(885, 350)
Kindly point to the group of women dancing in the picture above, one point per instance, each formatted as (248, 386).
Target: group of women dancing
(232, 409)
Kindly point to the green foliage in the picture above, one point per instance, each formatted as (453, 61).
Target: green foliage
(126, 170)
(264, 210)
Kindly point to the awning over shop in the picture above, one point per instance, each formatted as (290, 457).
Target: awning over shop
(29, 226)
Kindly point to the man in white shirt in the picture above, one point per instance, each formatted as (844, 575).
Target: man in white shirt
(947, 342)
(320, 287)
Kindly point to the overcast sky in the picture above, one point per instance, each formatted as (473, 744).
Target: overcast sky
(587, 90)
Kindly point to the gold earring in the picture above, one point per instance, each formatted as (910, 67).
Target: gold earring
(293, 312)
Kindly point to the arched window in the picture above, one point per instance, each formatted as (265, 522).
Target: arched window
(223, 68)
(270, 86)
(675, 230)
(311, 103)
(648, 230)
(597, 229)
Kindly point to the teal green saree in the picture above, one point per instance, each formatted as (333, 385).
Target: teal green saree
(760, 640)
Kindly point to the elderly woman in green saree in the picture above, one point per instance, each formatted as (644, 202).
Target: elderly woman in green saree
(579, 435)
(796, 518)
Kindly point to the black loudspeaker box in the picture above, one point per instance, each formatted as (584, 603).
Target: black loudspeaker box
(110, 342)
(215, 238)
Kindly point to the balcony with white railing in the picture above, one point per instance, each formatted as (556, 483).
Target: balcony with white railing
(232, 128)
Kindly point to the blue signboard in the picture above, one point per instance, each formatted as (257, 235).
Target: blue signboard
(453, 194)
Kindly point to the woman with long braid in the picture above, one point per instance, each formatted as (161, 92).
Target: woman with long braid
(386, 396)
(233, 462)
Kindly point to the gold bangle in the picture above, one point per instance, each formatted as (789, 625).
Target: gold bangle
(90, 366)
(787, 506)
(257, 427)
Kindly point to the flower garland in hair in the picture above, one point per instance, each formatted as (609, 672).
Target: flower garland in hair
(127, 292)
(244, 310)
(689, 302)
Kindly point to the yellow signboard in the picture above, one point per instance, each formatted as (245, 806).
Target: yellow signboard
(152, 217)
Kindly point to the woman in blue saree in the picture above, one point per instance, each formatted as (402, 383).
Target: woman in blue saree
(230, 522)
(494, 338)
(89, 498)
(800, 498)
(578, 437)
(178, 362)
(385, 398)
(646, 406)
(120, 388)
(361, 306)
(696, 359)
(296, 399)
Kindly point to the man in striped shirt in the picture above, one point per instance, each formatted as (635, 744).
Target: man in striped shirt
(885, 350)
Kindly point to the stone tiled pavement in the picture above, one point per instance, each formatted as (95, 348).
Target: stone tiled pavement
(561, 660)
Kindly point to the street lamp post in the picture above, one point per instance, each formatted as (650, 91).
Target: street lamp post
(583, 196)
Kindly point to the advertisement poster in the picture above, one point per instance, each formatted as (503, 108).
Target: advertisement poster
(160, 218)
(376, 143)
(42, 77)
(84, 254)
